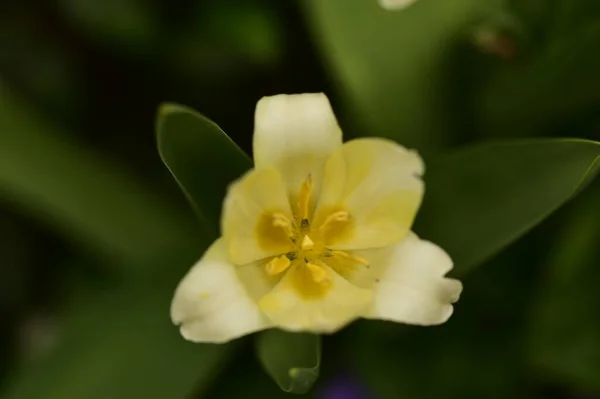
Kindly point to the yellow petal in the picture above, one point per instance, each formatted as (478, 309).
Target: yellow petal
(255, 212)
(377, 183)
(211, 304)
(308, 309)
(409, 284)
(295, 134)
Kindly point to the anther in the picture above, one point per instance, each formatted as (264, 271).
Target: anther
(278, 265)
(280, 220)
(318, 273)
(336, 217)
(304, 198)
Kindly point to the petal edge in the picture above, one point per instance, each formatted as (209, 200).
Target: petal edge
(295, 133)
(211, 303)
(412, 288)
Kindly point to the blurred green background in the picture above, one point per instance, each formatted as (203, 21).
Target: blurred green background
(95, 234)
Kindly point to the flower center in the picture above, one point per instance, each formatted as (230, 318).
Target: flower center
(311, 257)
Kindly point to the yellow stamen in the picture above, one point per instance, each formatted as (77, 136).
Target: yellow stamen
(336, 217)
(346, 255)
(307, 243)
(278, 265)
(304, 198)
(318, 273)
(280, 220)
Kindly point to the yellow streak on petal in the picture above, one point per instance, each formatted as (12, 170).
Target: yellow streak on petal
(351, 257)
(281, 221)
(335, 225)
(335, 304)
(346, 264)
(273, 233)
(303, 280)
(304, 198)
(277, 265)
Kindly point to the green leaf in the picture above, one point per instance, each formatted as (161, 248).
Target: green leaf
(541, 93)
(566, 304)
(88, 198)
(482, 198)
(201, 157)
(394, 70)
(119, 344)
(291, 359)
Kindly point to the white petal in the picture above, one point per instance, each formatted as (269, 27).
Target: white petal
(379, 183)
(247, 217)
(395, 4)
(211, 304)
(295, 134)
(288, 309)
(412, 288)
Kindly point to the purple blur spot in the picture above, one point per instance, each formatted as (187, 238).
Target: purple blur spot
(344, 387)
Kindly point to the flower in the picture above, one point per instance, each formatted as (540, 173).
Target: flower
(395, 4)
(316, 235)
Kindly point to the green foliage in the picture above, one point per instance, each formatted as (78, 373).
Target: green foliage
(122, 334)
(84, 195)
(201, 157)
(563, 322)
(291, 359)
(424, 77)
(393, 71)
(119, 343)
(553, 77)
(494, 193)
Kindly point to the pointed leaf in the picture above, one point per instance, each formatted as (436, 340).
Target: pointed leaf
(291, 359)
(482, 198)
(566, 304)
(85, 196)
(201, 157)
